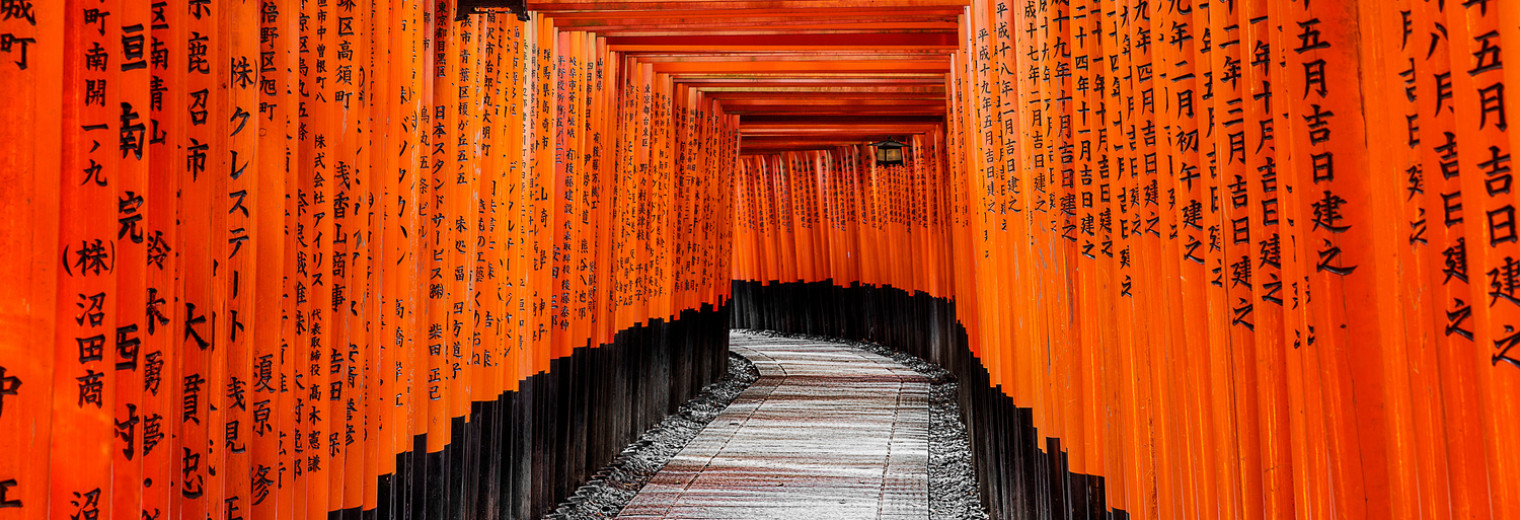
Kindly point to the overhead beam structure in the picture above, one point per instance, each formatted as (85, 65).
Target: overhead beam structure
(802, 75)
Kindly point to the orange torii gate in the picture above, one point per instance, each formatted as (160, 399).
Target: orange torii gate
(297, 258)
(1207, 259)
(1190, 258)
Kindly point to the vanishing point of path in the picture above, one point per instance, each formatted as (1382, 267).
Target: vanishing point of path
(827, 432)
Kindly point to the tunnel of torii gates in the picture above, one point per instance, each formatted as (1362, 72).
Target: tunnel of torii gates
(1246, 259)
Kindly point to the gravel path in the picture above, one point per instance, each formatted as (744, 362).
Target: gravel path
(611, 488)
(953, 493)
(830, 430)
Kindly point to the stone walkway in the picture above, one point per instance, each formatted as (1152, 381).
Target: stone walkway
(827, 432)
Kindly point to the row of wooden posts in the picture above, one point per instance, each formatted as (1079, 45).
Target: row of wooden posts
(1211, 258)
(259, 251)
(1237, 258)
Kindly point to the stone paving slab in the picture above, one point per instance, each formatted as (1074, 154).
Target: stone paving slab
(827, 432)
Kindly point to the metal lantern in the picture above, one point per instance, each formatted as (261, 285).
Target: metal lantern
(889, 152)
(468, 7)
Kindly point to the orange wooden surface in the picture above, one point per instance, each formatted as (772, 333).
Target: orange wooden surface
(1243, 259)
(244, 204)
(1273, 298)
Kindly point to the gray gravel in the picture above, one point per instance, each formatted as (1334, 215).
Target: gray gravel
(953, 492)
(605, 494)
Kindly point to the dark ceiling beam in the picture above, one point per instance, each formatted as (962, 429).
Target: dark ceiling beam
(552, 6)
(927, 40)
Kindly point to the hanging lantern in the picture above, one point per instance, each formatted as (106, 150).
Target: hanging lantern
(469, 7)
(889, 152)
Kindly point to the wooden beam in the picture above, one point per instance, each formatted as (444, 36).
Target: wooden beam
(721, 5)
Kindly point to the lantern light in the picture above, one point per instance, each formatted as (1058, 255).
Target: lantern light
(889, 152)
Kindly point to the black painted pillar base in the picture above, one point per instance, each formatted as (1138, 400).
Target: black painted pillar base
(518, 456)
